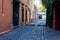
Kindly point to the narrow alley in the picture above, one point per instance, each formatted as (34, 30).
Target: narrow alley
(29, 20)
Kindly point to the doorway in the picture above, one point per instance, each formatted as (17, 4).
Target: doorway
(22, 14)
(15, 13)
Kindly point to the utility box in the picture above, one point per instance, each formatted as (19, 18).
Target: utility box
(5, 16)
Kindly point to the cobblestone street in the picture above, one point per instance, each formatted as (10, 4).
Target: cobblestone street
(29, 20)
(32, 33)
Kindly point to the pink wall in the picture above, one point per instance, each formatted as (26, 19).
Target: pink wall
(5, 15)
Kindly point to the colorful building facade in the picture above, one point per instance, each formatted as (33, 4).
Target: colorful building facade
(24, 12)
(13, 13)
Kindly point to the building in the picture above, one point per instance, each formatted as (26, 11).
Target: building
(24, 12)
(35, 15)
(56, 15)
(42, 15)
(5, 16)
(31, 6)
(13, 14)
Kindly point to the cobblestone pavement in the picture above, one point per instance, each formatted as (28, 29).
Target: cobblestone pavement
(37, 22)
(32, 33)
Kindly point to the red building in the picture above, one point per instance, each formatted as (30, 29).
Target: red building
(5, 16)
(56, 15)
(13, 14)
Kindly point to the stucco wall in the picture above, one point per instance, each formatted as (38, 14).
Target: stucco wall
(5, 15)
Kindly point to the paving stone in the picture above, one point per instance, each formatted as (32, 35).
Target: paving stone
(32, 33)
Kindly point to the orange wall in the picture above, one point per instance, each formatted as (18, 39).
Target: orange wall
(5, 15)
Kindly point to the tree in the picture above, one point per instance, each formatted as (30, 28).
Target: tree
(49, 12)
(44, 2)
(49, 6)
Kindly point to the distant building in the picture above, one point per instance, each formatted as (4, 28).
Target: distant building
(35, 15)
(42, 15)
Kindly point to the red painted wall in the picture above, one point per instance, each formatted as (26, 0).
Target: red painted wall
(56, 16)
(5, 15)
